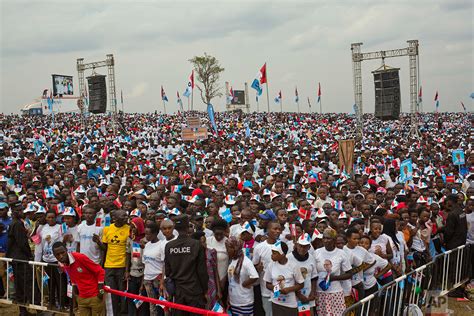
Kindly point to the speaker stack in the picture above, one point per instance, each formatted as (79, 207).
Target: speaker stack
(387, 93)
(97, 94)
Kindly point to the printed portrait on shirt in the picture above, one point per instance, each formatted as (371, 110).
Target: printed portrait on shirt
(327, 265)
(281, 281)
(304, 272)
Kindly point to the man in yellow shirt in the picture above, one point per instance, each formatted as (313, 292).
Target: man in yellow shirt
(114, 242)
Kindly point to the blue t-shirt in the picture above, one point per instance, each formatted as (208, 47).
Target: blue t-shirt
(95, 173)
(3, 234)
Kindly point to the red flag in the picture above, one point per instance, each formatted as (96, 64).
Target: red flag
(436, 96)
(192, 79)
(105, 152)
(118, 203)
(263, 73)
(463, 106)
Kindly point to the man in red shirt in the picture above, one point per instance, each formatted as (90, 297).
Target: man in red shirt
(87, 276)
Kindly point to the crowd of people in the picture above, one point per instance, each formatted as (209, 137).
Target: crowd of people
(258, 219)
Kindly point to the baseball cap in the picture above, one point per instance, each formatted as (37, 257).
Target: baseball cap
(267, 215)
(304, 240)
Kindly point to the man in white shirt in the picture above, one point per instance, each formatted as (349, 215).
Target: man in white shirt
(262, 257)
(90, 236)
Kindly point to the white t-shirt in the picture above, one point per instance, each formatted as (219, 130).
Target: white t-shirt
(332, 262)
(88, 246)
(234, 230)
(286, 275)
(369, 279)
(355, 261)
(308, 271)
(72, 245)
(239, 295)
(161, 253)
(470, 228)
(38, 252)
(263, 253)
(150, 259)
(222, 257)
(364, 256)
(380, 242)
(50, 235)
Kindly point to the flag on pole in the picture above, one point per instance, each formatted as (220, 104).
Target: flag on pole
(190, 86)
(231, 96)
(296, 95)
(121, 96)
(260, 79)
(436, 100)
(278, 97)
(163, 95)
(179, 101)
(463, 106)
(309, 103)
(319, 92)
(420, 95)
(212, 117)
(50, 101)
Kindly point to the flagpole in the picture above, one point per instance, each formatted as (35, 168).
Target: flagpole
(188, 103)
(309, 105)
(121, 98)
(258, 108)
(268, 97)
(164, 104)
(297, 99)
(192, 98)
(320, 105)
(281, 103)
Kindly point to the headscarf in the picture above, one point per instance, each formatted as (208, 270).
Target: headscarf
(389, 229)
(139, 224)
(237, 245)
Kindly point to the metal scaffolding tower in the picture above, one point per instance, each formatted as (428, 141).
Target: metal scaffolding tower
(109, 63)
(412, 52)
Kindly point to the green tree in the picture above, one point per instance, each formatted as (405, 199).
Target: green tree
(208, 70)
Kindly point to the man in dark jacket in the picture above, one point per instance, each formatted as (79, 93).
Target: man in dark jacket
(185, 265)
(18, 248)
(455, 232)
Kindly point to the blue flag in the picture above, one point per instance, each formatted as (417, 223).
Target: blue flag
(256, 85)
(210, 112)
(193, 164)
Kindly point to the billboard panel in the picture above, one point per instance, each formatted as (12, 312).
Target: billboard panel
(62, 85)
(239, 97)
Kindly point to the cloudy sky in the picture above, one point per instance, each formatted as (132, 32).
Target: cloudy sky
(303, 43)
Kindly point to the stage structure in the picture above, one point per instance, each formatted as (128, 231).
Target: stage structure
(240, 99)
(413, 56)
(109, 63)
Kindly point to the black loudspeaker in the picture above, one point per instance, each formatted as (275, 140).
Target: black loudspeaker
(97, 94)
(387, 93)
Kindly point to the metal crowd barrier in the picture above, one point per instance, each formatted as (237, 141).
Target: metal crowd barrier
(420, 287)
(36, 293)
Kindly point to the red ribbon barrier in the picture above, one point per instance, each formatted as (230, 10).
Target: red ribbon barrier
(155, 301)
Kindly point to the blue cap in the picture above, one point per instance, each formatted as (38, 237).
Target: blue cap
(267, 215)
